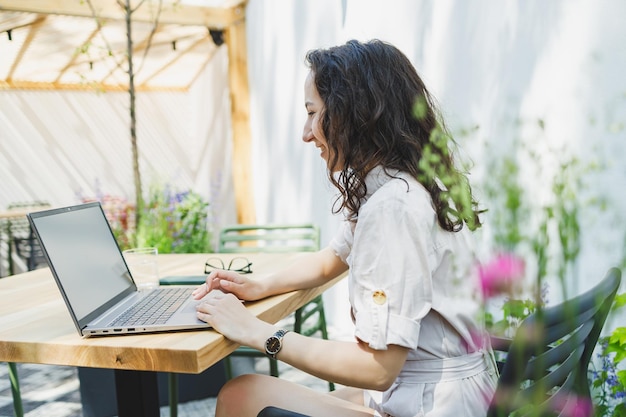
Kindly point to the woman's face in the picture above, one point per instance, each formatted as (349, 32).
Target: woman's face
(313, 125)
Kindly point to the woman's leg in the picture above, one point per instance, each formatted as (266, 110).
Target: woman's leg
(248, 394)
(354, 395)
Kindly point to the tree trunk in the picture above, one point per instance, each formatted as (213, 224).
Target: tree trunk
(133, 119)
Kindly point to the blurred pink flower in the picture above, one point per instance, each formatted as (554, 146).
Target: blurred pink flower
(574, 406)
(500, 274)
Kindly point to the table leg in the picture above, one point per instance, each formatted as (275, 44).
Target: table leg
(137, 393)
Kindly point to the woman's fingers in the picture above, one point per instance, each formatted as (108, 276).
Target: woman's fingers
(227, 281)
(205, 288)
(226, 314)
(212, 282)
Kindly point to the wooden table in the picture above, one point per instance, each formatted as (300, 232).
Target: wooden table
(35, 327)
(10, 214)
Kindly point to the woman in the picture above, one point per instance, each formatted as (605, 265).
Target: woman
(405, 242)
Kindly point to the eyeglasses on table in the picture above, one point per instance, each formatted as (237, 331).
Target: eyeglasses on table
(239, 264)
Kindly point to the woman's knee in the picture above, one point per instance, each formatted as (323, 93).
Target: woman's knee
(229, 399)
(240, 384)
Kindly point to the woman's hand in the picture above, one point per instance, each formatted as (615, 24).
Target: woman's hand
(228, 315)
(230, 282)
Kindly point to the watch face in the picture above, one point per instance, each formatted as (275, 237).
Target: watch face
(272, 345)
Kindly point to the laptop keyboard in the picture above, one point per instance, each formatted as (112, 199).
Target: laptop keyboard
(156, 308)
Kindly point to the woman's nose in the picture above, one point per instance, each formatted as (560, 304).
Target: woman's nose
(307, 133)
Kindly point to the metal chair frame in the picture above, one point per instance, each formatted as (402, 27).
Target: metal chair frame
(547, 361)
(18, 409)
(21, 238)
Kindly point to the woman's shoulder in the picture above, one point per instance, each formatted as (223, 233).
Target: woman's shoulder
(401, 189)
(402, 198)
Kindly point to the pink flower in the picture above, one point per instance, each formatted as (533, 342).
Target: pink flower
(501, 274)
(574, 406)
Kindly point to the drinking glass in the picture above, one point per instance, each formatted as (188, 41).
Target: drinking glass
(143, 266)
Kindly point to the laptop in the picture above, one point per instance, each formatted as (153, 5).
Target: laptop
(95, 281)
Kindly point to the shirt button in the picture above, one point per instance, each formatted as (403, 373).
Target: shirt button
(379, 297)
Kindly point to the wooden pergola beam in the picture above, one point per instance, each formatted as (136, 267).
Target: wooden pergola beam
(229, 17)
(87, 86)
(235, 38)
(181, 14)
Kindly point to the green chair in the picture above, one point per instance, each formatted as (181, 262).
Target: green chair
(15, 390)
(247, 238)
(545, 365)
(269, 238)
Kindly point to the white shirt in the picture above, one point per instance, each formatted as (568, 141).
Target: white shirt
(410, 284)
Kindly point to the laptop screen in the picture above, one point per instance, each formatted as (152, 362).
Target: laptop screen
(83, 256)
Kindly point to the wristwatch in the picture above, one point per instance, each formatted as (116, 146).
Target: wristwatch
(274, 343)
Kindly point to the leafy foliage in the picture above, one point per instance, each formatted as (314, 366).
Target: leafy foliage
(609, 377)
(174, 222)
(514, 312)
(554, 242)
(436, 168)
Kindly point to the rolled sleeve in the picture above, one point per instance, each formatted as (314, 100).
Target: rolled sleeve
(379, 329)
(341, 243)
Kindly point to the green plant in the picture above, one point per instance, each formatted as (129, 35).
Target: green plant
(192, 235)
(548, 228)
(609, 375)
(510, 210)
(513, 312)
(436, 169)
(174, 222)
(547, 231)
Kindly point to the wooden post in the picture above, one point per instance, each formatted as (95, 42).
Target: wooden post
(235, 38)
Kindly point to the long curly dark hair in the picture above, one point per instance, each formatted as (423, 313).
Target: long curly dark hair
(378, 112)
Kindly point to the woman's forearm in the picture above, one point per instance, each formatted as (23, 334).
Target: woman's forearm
(347, 363)
(310, 271)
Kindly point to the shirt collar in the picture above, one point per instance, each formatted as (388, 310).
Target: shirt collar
(376, 178)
